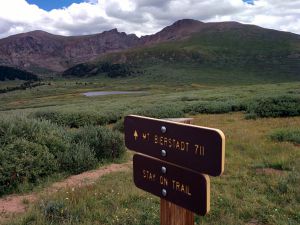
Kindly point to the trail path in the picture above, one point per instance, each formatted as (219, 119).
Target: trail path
(15, 204)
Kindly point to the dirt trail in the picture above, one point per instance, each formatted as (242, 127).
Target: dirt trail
(15, 204)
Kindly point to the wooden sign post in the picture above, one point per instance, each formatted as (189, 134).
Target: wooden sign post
(168, 209)
(180, 155)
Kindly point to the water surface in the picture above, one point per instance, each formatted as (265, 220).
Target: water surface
(102, 93)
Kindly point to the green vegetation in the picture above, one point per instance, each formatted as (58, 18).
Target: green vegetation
(278, 106)
(33, 149)
(84, 134)
(112, 70)
(291, 135)
(249, 54)
(76, 119)
(23, 86)
(244, 194)
(10, 73)
(106, 143)
(282, 106)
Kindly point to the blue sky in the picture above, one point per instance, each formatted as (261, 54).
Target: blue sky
(53, 4)
(249, 1)
(57, 4)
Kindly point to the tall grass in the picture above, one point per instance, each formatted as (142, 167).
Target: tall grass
(244, 194)
(288, 134)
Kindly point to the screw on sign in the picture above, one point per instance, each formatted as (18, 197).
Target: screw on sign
(180, 155)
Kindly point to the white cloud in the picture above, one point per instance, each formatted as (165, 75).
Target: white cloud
(144, 16)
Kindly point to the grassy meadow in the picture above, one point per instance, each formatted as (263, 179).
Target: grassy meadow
(260, 184)
(260, 118)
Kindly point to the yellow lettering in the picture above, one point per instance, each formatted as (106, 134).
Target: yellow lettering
(170, 143)
(163, 181)
(148, 175)
(187, 146)
(155, 139)
(182, 146)
(182, 188)
(161, 140)
(144, 136)
(165, 141)
(188, 190)
(166, 181)
(199, 150)
(177, 186)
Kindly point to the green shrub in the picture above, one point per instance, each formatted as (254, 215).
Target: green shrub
(38, 131)
(291, 135)
(78, 158)
(119, 125)
(31, 149)
(106, 144)
(188, 99)
(251, 116)
(55, 210)
(282, 106)
(24, 161)
(214, 107)
(160, 111)
(77, 119)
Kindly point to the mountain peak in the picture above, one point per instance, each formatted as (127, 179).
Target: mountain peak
(177, 31)
(186, 22)
(112, 31)
(38, 32)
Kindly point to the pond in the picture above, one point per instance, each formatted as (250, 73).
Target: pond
(102, 93)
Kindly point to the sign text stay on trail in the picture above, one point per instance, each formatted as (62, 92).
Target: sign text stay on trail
(185, 188)
(197, 148)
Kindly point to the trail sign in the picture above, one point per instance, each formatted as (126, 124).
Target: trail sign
(183, 187)
(197, 148)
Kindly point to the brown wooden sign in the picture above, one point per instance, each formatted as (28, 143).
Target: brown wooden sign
(183, 187)
(198, 148)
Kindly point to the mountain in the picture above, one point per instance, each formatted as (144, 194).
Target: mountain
(183, 29)
(219, 49)
(220, 45)
(41, 51)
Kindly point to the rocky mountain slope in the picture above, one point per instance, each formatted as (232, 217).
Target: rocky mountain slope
(187, 39)
(39, 50)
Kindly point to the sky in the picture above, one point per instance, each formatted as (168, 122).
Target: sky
(53, 4)
(142, 17)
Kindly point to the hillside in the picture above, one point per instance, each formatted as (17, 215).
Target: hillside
(225, 48)
(9, 73)
(43, 52)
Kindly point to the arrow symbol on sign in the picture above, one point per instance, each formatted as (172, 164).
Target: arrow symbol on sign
(135, 134)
